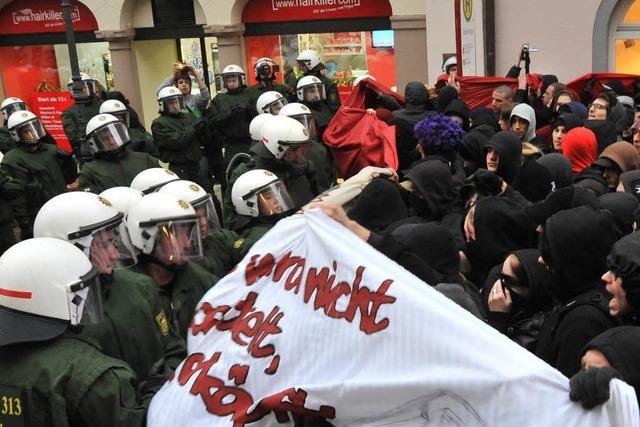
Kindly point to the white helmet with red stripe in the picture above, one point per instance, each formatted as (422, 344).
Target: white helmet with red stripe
(47, 285)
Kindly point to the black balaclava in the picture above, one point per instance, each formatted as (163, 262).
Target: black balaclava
(631, 182)
(560, 169)
(624, 262)
(509, 148)
(378, 206)
(621, 347)
(574, 244)
(428, 251)
(534, 181)
(434, 189)
(445, 96)
(623, 207)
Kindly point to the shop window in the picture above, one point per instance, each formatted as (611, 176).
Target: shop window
(633, 14)
(93, 59)
(191, 53)
(347, 55)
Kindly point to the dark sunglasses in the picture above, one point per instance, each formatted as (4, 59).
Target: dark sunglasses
(507, 281)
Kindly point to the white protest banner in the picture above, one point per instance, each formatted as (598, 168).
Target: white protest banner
(315, 321)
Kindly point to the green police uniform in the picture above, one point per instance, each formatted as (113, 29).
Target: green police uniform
(6, 141)
(231, 113)
(135, 327)
(109, 170)
(74, 131)
(255, 228)
(180, 297)
(10, 189)
(221, 251)
(142, 142)
(302, 186)
(330, 88)
(65, 381)
(178, 139)
(44, 170)
(260, 88)
(325, 166)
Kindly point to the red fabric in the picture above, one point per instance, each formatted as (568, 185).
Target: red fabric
(578, 84)
(580, 146)
(358, 139)
(534, 81)
(476, 91)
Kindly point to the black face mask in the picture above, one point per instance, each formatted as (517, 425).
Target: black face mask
(419, 205)
(520, 302)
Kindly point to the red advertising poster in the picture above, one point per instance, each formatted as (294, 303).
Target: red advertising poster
(258, 11)
(49, 107)
(44, 16)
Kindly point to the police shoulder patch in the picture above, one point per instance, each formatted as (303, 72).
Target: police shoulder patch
(163, 323)
(238, 244)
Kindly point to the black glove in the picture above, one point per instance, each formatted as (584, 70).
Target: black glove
(200, 125)
(485, 183)
(591, 386)
(158, 374)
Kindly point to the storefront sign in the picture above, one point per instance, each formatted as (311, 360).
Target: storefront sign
(44, 16)
(317, 323)
(49, 107)
(469, 20)
(259, 11)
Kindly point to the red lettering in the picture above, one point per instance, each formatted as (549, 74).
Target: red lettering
(256, 272)
(238, 373)
(273, 367)
(212, 316)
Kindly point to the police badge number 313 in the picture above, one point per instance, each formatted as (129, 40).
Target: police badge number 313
(11, 407)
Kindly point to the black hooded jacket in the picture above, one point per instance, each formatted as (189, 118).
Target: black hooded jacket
(574, 245)
(458, 108)
(484, 116)
(605, 131)
(624, 262)
(621, 347)
(379, 205)
(472, 147)
(509, 148)
(434, 189)
(560, 169)
(405, 119)
(523, 323)
(501, 226)
(631, 182)
(445, 96)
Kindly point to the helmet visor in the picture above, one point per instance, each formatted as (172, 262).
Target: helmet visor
(111, 249)
(178, 241)
(123, 116)
(306, 120)
(173, 105)
(274, 199)
(111, 137)
(314, 92)
(85, 300)
(297, 155)
(12, 108)
(232, 80)
(275, 107)
(30, 132)
(207, 216)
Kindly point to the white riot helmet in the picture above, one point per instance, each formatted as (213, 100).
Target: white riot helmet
(91, 223)
(122, 198)
(26, 127)
(450, 62)
(283, 133)
(116, 108)
(170, 100)
(299, 112)
(106, 133)
(310, 89)
(199, 199)
(265, 68)
(47, 285)
(165, 227)
(11, 105)
(270, 102)
(233, 71)
(260, 193)
(309, 58)
(257, 125)
(150, 180)
(88, 84)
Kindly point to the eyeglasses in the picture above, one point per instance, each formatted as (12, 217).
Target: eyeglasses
(598, 106)
(507, 281)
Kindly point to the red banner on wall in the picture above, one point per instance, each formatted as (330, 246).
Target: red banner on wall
(49, 107)
(259, 11)
(44, 16)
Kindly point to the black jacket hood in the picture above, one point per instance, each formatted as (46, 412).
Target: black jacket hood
(458, 108)
(605, 131)
(539, 280)
(484, 116)
(575, 244)
(623, 207)
(445, 96)
(433, 181)
(560, 169)
(379, 205)
(624, 261)
(473, 143)
(509, 147)
(416, 94)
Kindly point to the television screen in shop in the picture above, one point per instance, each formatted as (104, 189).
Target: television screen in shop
(382, 38)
